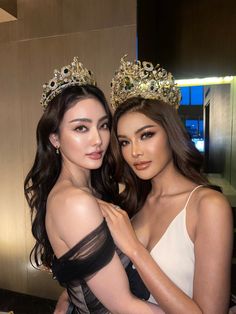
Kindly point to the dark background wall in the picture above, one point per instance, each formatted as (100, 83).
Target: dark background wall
(197, 39)
(194, 38)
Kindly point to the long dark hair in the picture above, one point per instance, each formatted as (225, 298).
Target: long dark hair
(187, 159)
(47, 167)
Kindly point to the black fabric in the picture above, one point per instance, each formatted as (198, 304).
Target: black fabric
(137, 286)
(83, 261)
(86, 257)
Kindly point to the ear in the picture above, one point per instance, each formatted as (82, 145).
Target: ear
(54, 139)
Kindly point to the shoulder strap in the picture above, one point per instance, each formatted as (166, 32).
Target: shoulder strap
(186, 204)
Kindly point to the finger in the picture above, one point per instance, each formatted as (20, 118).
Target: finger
(113, 209)
(101, 201)
(106, 205)
(107, 213)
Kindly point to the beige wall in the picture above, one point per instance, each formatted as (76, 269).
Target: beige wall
(46, 35)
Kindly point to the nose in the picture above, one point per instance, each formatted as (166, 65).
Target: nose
(136, 150)
(96, 137)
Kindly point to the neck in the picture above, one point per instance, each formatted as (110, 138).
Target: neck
(167, 182)
(79, 177)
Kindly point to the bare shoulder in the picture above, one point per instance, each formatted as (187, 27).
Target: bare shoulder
(213, 205)
(70, 199)
(212, 199)
(72, 214)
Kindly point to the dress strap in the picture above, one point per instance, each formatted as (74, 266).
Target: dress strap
(186, 204)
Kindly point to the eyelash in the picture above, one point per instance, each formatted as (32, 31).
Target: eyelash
(83, 128)
(105, 125)
(123, 143)
(143, 136)
(147, 134)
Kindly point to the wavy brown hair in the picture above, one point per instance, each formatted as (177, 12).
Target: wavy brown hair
(47, 167)
(187, 159)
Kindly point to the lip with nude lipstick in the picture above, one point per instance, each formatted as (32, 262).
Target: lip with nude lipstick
(142, 165)
(95, 155)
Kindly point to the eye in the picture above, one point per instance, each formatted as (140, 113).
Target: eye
(123, 143)
(146, 135)
(105, 125)
(81, 128)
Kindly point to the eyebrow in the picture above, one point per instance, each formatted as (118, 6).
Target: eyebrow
(140, 129)
(88, 120)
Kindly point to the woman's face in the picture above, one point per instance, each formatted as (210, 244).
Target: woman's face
(84, 134)
(144, 145)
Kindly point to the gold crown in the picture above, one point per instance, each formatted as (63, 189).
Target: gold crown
(143, 79)
(70, 75)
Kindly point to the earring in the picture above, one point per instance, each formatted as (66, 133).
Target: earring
(57, 150)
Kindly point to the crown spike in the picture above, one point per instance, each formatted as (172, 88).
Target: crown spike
(142, 79)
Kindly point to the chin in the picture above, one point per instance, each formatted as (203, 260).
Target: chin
(143, 176)
(95, 165)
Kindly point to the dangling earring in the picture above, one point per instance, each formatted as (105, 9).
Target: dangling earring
(57, 150)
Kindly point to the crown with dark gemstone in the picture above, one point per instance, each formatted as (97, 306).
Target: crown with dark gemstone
(69, 75)
(142, 79)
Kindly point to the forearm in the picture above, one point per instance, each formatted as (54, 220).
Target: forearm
(62, 303)
(147, 308)
(133, 306)
(111, 287)
(170, 298)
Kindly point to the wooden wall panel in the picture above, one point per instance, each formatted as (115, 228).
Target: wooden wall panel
(233, 135)
(190, 38)
(46, 18)
(12, 221)
(28, 56)
(220, 128)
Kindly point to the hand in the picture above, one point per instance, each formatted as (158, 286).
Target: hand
(62, 304)
(120, 227)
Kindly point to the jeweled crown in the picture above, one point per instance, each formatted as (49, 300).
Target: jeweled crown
(69, 75)
(143, 79)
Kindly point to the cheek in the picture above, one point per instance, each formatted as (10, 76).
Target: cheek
(73, 142)
(126, 154)
(105, 139)
(108, 137)
(160, 148)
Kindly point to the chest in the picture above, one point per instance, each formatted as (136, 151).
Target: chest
(155, 220)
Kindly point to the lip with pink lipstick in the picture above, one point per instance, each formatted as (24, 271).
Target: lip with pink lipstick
(95, 155)
(142, 165)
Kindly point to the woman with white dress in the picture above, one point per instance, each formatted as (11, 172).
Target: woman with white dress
(180, 240)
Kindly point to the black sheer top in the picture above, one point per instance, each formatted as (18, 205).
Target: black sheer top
(82, 262)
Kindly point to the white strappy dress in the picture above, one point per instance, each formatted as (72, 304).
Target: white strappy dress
(174, 253)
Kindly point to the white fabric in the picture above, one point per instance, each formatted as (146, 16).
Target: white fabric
(174, 253)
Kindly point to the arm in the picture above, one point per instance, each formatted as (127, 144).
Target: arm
(213, 250)
(213, 247)
(63, 303)
(110, 284)
(118, 299)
